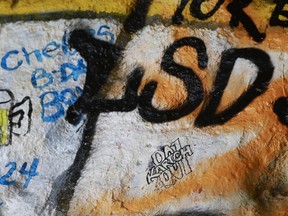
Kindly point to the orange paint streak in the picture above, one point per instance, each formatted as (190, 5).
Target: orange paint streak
(224, 175)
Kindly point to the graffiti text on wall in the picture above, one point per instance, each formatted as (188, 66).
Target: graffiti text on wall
(53, 99)
(42, 79)
(238, 15)
(106, 61)
(103, 57)
(4, 179)
(169, 164)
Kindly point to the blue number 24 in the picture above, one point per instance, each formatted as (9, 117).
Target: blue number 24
(30, 173)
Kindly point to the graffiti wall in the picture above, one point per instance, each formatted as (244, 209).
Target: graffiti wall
(144, 107)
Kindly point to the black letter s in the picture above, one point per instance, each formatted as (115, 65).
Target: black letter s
(187, 75)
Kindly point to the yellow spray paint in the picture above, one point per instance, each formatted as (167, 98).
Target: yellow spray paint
(3, 126)
(258, 9)
(36, 6)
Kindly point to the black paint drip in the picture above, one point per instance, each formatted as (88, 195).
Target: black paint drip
(178, 16)
(101, 58)
(281, 110)
(136, 19)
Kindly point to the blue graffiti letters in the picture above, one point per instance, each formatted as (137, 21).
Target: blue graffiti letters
(4, 61)
(41, 79)
(13, 165)
(50, 47)
(36, 52)
(15, 54)
(76, 70)
(104, 33)
(52, 103)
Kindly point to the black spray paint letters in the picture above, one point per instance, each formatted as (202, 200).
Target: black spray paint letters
(208, 115)
(195, 10)
(187, 75)
(169, 164)
(101, 58)
(15, 118)
(238, 15)
(235, 8)
(87, 104)
(279, 11)
(136, 19)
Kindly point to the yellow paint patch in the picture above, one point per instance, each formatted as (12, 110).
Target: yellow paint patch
(3, 126)
(36, 6)
(260, 11)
